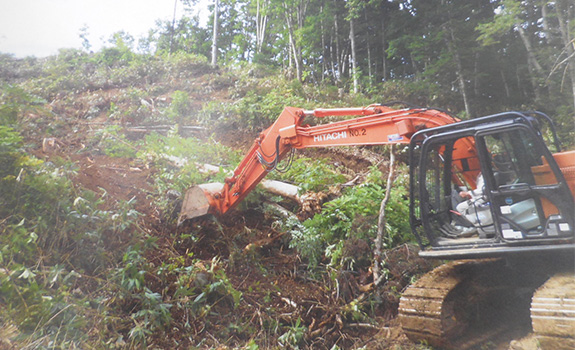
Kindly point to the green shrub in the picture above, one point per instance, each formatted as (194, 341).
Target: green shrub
(259, 104)
(188, 285)
(311, 174)
(352, 216)
(15, 103)
(180, 107)
(183, 61)
(51, 237)
(113, 143)
(294, 336)
(178, 159)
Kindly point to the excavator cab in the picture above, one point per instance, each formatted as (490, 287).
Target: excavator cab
(524, 203)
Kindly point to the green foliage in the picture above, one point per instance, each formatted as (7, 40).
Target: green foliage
(48, 241)
(355, 310)
(211, 285)
(350, 217)
(191, 286)
(118, 66)
(152, 312)
(113, 143)
(178, 159)
(294, 335)
(119, 54)
(187, 37)
(133, 271)
(15, 103)
(180, 107)
(51, 238)
(180, 63)
(10, 151)
(63, 74)
(503, 22)
(258, 106)
(564, 120)
(21, 181)
(311, 174)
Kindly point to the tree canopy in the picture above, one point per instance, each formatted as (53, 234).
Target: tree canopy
(476, 57)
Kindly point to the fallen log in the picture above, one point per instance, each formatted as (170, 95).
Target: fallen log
(279, 188)
(165, 128)
(282, 189)
(310, 202)
(279, 210)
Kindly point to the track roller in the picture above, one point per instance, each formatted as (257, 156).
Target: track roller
(462, 304)
(553, 312)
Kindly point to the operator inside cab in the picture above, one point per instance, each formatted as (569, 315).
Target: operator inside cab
(473, 209)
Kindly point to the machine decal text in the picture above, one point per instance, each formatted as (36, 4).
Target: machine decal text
(330, 136)
(357, 132)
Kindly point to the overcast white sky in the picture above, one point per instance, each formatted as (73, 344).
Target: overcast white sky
(41, 27)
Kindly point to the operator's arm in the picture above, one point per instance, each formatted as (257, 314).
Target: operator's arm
(476, 193)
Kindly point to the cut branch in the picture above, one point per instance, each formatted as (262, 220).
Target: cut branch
(382, 221)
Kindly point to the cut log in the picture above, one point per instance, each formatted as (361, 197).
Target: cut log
(282, 189)
(210, 169)
(279, 210)
(273, 186)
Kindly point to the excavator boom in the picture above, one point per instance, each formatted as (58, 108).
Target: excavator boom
(372, 125)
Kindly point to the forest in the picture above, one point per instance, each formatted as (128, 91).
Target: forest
(475, 58)
(97, 148)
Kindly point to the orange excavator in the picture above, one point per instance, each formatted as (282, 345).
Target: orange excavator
(511, 241)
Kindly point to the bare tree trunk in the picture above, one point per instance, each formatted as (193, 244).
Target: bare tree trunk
(369, 72)
(215, 37)
(323, 48)
(505, 84)
(299, 12)
(290, 59)
(261, 23)
(337, 49)
(476, 75)
(333, 59)
(568, 41)
(294, 52)
(452, 47)
(383, 53)
(545, 21)
(173, 29)
(342, 61)
(382, 221)
(527, 43)
(536, 72)
(354, 72)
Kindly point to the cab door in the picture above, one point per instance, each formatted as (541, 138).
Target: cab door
(529, 196)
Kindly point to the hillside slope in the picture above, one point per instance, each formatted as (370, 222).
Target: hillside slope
(127, 136)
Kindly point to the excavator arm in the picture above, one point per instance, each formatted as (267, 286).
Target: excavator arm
(372, 125)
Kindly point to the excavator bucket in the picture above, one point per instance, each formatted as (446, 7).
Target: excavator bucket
(197, 201)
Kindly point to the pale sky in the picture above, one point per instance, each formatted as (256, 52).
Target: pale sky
(41, 27)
